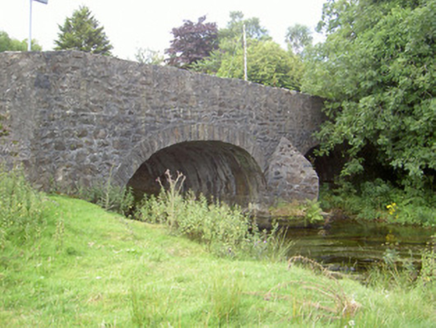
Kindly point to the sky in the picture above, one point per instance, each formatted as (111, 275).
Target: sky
(133, 24)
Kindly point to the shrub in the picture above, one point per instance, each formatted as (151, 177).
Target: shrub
(382, 201)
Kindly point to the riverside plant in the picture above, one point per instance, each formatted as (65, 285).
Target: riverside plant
(309, 211)
(224, 230)
(428, 269)
(380, 200)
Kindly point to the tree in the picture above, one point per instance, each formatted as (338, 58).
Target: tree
(192, 42)
(267, 63)
(298, 37)
(82, 32)
(233, 31)
(230, 41)
(148, 56)
(8, 44)
(378, 73)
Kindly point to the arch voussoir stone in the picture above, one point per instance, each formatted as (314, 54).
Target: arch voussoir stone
(170, 136)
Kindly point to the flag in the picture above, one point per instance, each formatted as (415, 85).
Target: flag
(42, 1)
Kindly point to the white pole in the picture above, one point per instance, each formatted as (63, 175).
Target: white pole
(29, 42)
(245, 54)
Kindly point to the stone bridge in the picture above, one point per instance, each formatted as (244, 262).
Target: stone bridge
(74, 119)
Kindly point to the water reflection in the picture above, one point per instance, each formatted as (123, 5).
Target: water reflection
(349, 245)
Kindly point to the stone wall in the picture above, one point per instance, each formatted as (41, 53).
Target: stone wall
(75, 118)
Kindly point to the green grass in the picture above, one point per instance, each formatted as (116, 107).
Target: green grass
(89, 268)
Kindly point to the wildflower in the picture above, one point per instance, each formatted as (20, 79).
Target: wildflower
(392, 208)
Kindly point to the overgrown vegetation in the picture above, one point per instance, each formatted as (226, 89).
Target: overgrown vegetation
(225, 230)
(22, 210)
(67, 263)
(398, 273)
(380, 200)
(108, 196)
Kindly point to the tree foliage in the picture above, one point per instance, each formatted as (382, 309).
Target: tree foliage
(83, 32)
(148, 56)
(267, 62)
(298, 38)
(253, 28)
(9, 44)
(378, 72)
(192, 42)
(230, 41)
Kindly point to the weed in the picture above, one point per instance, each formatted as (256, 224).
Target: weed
(59, 235)
(21, 209)
(392, 271)
(225, 230)
(109, 196)
(101, 278)
(428, 269)
(337, 305)
(313, 211)
(146, 308)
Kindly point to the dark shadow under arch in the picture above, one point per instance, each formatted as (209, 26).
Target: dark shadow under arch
(224, 163)
(213, 168)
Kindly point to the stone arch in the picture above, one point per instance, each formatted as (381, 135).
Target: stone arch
(233, 146)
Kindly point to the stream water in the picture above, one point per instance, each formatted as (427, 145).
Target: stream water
(348, 245)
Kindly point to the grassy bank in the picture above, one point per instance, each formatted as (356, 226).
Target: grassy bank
(68, 263)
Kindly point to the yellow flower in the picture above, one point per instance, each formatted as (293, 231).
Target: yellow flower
(392, 208)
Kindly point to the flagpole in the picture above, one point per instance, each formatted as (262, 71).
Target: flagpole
(29, 42)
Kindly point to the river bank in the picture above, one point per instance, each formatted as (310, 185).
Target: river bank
(88, 267)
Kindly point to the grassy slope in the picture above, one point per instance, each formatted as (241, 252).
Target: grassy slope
(90, 268)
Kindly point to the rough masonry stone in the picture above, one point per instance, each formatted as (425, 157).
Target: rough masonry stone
(73, 118)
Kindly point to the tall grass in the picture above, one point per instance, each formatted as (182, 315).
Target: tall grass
(22, 217)
(225, 230)
(108, 196)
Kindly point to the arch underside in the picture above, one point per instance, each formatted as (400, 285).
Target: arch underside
(218, 162)
(215, 169)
